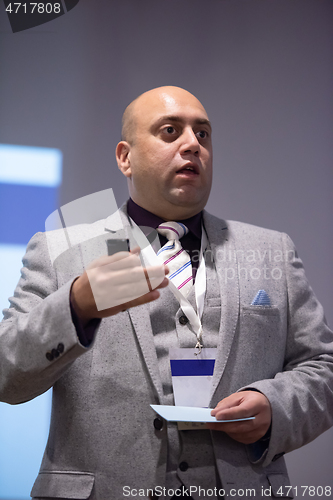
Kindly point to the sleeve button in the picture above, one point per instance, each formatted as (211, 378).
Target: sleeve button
(60, 348)
(49, 356)
(55, 353)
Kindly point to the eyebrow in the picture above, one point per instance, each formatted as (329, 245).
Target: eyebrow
(178, 119)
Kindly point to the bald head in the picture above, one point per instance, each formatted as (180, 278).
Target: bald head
(166, 153)
(150, 99)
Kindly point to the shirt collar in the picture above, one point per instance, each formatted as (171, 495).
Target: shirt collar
(142, 217)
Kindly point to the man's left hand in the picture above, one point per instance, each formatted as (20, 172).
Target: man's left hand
(241, 405)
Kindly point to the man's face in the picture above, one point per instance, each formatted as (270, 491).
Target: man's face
(170, 158)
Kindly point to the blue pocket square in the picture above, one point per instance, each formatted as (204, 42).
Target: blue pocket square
(261, 299)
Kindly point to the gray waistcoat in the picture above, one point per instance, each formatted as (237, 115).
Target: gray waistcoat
(193, 446)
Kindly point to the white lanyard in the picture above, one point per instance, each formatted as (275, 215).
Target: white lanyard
(200, 290)
(150, 258)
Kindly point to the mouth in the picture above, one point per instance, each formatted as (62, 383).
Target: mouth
(189, 169)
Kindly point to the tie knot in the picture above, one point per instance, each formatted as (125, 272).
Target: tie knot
(172, 230)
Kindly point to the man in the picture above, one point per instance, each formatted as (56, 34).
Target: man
(108, 358)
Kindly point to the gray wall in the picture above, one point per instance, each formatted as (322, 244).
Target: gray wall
(262, 68)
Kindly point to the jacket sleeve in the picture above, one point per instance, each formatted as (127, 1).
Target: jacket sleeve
(301, 396)
(38, 339)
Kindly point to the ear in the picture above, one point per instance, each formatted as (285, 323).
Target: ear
(123, 150)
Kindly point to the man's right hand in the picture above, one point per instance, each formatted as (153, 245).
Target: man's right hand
(114, 283)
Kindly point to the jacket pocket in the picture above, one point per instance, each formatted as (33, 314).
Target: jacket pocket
(261, 310)
(63, 484)
(261, 336)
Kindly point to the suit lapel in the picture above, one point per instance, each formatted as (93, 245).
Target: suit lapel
(223, 249)
(140, 319)
(119, 227)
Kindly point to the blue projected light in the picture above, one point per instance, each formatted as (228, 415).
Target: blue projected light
(29, 182)
(30, 166)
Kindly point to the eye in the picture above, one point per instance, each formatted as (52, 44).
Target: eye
(169, 133)
(169, 130)
(202, 134)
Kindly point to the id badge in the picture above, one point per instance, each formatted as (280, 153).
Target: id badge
(192, 378)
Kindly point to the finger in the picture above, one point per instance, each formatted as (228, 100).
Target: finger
(164, 283)
(144, 299)
(134, 277)
(108, 259)
(236, 425)
(233, 413)
(119, 295)
(155, 275)
(120, 288)
(238, 430)
(230, 402)
(148, 297)
(132, 265)
(148, 280)
(111, 288)
(114, 284)
(241, 404)
(135, 250)
(128, 261)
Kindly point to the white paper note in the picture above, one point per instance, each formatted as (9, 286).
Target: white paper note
(189, 414)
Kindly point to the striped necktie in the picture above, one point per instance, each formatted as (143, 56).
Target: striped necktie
(175, 257)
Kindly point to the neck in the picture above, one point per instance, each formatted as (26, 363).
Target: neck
(172, 213)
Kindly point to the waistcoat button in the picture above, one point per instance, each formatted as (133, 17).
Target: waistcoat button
(158, 424)
(183, 320)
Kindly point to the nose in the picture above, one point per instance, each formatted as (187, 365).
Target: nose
(190, 142)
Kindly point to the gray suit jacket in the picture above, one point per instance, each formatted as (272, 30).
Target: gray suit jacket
(102, 436)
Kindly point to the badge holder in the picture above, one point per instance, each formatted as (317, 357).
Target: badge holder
(192, 379)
